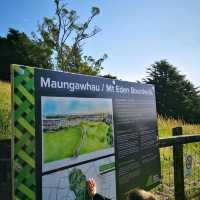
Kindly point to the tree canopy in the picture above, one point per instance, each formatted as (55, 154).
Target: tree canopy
(18, 48)
(58, 44)
(175, 95)
(65, 36)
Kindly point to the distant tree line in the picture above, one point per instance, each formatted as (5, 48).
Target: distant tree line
(176, 96)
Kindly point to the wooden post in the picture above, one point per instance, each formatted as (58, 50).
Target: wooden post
(178, 167)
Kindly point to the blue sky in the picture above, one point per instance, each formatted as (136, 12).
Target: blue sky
(135, 33)
(70, 105)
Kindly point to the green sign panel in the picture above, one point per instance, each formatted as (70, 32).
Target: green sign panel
(69, 128)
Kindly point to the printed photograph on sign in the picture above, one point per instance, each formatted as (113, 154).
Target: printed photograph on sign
(75, 130)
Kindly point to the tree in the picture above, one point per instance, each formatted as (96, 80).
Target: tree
(65, 36)
(18, 48)
(175, 96)
(109, 76)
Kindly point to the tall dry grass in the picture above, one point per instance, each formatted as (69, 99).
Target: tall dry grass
(5, 110)
(165, 126)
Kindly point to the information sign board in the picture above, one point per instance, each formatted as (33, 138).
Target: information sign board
(71, 127)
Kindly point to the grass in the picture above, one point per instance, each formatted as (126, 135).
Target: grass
(5, 110)
(60, 144)
(165, 126)
(68, 142)
(192, 183)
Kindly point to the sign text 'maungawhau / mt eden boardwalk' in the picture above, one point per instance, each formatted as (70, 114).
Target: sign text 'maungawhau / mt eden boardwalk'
(72, 86)
(71, 127)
